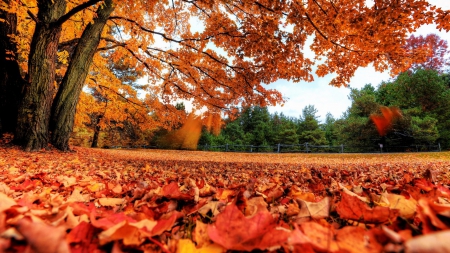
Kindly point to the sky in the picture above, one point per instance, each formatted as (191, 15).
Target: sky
(335, 100)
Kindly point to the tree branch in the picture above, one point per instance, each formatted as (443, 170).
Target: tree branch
(75, 10)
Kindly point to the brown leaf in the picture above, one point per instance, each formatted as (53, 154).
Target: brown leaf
(315, 210)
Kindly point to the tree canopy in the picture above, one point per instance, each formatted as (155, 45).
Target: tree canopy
(237, 47)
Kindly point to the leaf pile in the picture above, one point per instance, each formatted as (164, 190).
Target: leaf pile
(95, 200)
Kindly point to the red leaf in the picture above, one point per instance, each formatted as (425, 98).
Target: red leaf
(110, 220)
(165, 224)
(423, 184)
(83, 238)
(172, 191)
(352, 208)
(234, 231)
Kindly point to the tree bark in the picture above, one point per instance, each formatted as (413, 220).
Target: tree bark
(34, 111)
(96, 131)
(11, 81)
(64, 106)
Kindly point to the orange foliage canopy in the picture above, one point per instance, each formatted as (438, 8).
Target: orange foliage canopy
(384, 121)
(220, 53)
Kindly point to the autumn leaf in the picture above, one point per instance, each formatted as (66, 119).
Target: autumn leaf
(131, 233)
(187, 246)
(172, 191)
(436, 242)
(384, 121)
(356, 240)
(234, 231)
(352, 208)
(315, 210)
(320, 237)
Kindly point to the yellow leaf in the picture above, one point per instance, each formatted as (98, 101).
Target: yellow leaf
(111, 201)
(187, 246)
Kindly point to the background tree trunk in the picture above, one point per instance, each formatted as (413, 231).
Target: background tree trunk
(96, 131)
(11, 82)
(34, 111)
(64, 106)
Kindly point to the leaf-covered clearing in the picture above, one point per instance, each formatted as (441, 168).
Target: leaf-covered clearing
(94, 200)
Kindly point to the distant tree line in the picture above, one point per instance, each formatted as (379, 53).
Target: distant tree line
(423, 96)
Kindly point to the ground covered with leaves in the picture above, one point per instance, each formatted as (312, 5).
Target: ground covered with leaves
(94, 200)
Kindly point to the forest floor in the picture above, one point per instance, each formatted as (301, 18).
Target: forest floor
(191, 201)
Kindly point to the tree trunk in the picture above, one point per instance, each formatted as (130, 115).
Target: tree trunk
(34, 111)
(64, 106)
(96, 131)
(11, 82)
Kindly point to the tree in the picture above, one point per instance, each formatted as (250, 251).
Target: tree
(308, 127)
(11, 82)
(355, 128)
(432, 49)
(424, 98)
(330, 130)
(251, 34)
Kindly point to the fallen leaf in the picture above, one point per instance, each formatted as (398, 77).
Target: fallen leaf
(431, 243)
(352, 208)
(234, 231)
(187, 246)
(320, 237)
(357, 240)
(315, 210)
(407, 207)
(200, 235)
(255, 205)
(111, 201)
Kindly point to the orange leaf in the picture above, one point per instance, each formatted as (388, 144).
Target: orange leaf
(352, 208)
(234, 231)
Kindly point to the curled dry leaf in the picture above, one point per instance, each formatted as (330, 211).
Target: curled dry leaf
(315, 210)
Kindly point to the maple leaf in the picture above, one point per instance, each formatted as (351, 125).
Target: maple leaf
(352, 208)
(172, 191)
(234, 231)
